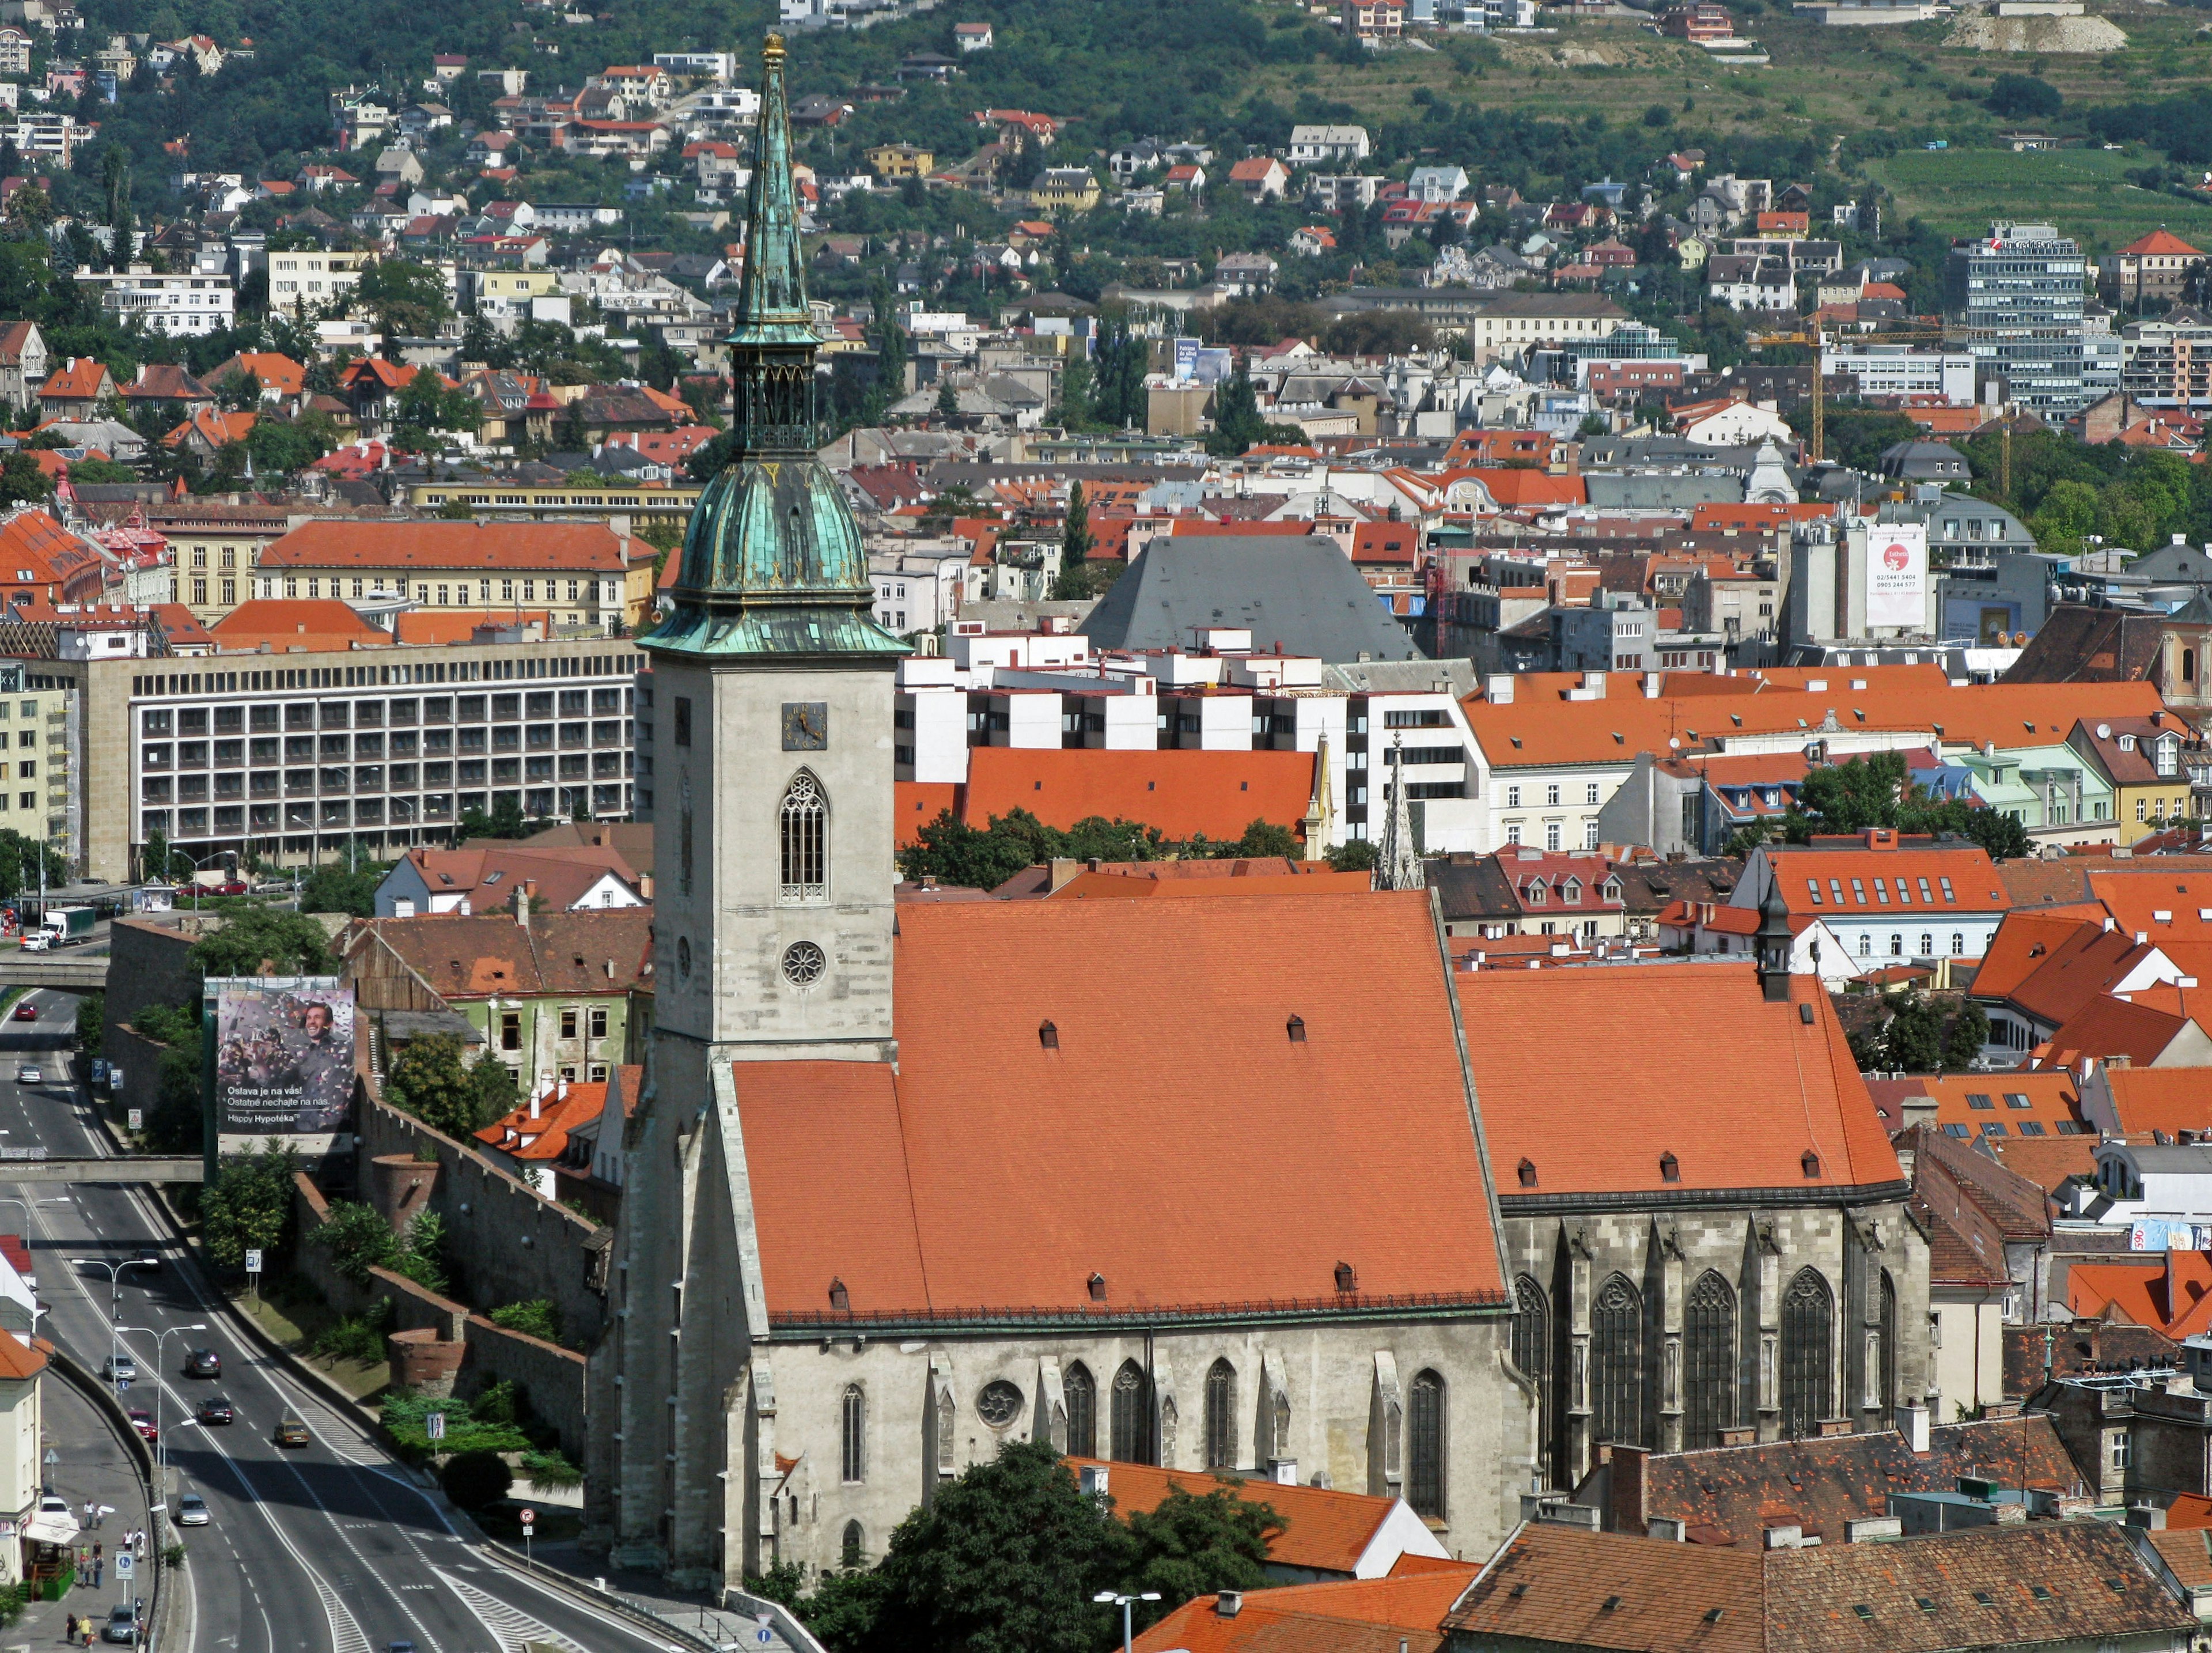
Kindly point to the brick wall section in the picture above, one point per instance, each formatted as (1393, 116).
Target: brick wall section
(140, 1058)
(552, 1377)
(150, 964)
(506, 1241)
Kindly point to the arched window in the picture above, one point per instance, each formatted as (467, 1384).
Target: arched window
(1221, 1416)
(1617, 1363)
(1531, 1347)
(852, 1458)
(1958, 943)
(1896, 944)
(1133, 1415)
(1424, 1446)
(853, 1551)
(803, 825)
(1866, 946)
(1708, 1362)
(1807, 1313)
(1886, 1356)
(1080, 1391)
(2188, 665)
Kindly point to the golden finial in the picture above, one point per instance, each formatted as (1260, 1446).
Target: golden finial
(772, 54)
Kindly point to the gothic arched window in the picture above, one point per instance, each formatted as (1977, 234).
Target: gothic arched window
(1424, 1446)
(1221, 1416)
(1807, 1313)
(1617, 1363)
(1531, 1347)
(803, 823)
(1886, 1356)
(1080, 1391)
(1708, 1362)
(854, 1550)
(852, 1457)
(1133, 1415)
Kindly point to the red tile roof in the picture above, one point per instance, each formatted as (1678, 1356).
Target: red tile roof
(283, 623)
(1326, 1531)
(1399, 1614)
(438, 626)
(1926, 881)
(544, 1137)
(531, 546)
(1743, 1114)
(1182, 793)
(2160, 244)
(2169, 1292)
(913, 1186)
(2169, 1099)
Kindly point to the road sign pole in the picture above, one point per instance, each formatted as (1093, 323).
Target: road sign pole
(529, 1528)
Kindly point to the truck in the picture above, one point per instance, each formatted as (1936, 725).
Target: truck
(64, 927)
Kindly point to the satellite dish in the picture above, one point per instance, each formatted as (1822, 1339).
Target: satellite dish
(1674, 742)
(2104, 731)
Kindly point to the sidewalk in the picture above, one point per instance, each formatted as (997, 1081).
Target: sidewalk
(93, 1465)
(692, 1611)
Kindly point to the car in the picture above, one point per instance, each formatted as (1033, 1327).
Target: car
(203, 1363)
(234, 888)
(122, 1624)
(290, 1431)
(28, 1074)
(216, 1410)
(192, 1511)
(52, 1505)
(26, 1011)
(142, 1421)
(37, 941)
(119, 1369)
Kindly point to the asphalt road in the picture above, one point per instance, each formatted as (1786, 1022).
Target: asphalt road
(326, 1548)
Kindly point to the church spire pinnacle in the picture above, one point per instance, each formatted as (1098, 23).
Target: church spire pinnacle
(772, 307)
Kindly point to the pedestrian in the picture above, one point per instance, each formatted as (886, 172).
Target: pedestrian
(91, 1515)
(99, 1565)
(71, 1636)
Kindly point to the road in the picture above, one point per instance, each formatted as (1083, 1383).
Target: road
(328, 1549)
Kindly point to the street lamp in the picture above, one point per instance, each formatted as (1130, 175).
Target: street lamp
(114, 1278)
(1105, 1597)
(160, 1435)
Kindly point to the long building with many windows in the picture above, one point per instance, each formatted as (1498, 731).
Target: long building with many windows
(295, 758)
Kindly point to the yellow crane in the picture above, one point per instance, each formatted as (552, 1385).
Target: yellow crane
(1816, 339)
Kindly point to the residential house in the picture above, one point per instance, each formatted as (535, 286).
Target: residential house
(484, 876)
(1436, 183)
(82, 388)
(1260, 177)
(1328, 146)
(1064, 188)
(2141, 760)
(23, 362)
(1372, 19)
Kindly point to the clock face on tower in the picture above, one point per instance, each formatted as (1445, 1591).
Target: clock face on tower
(805, 725)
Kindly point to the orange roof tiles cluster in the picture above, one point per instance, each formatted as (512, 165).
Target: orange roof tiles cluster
(1778, 1104)
(538, 1132)
(2168, 1099)
(1403, 1614)
(1182, 793)
(315, 624)
(2169, 1292)
(537, 547)
(437, 626)
(1834, 878)
(1325, 1530)
(908, 1186)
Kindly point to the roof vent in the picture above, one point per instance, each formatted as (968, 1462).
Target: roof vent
(1811, 1162)
(1097, 1284)
(1527, 1173)
(840, 1300)
(1712, 1615)
(1347, 1278)
(1609, 1604)
(1048, 1035)
(1228, 1603)
(1805, 1009)
(1297, 1028)
(1670, 1169)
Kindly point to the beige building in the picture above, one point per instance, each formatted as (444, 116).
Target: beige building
(295, 756)
(311, 276)
(21, 1428)
(39, 758)
(618, 505)
(213, 546)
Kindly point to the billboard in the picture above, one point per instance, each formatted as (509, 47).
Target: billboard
(1897, 576)
(1186, 360)
(284, 1056)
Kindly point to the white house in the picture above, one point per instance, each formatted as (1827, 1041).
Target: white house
(1436, 183)
(1736, 424)
(1328, 146)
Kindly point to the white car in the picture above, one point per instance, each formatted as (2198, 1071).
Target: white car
(26, 1074)
(36, 941)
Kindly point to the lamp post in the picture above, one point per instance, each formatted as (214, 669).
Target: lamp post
(114, 1278)
(160, 1435)
(1105, 1597)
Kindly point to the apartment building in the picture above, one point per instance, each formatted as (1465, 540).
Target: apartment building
(2165, 361)
(38, 759)
(294, 756)
(495, 499)
(312, 277)
(1902, 370)
(175, 305)
(584, 573)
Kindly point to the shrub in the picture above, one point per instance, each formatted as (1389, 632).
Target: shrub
(476, 1480)
(356, 1337)
(550, 1468)
(358, 1239)
(467, 1429)
(540, 1317)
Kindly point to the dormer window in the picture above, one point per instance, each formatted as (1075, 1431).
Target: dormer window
(1573, 891)
(1533, 893)
(2127, 743)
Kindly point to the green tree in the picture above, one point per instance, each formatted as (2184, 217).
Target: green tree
(948, 399)
(1353, 855)
(1236, 421)
(1004, 1559)
(1194, 1544)
(429, 1079)
(505, 821)
(95, 473)
(92, 1023)
(358, 1239)
(1913, 1040)
(289, 944)
(249, 1205)
(1964, 1039)
(422, 1252)
(408, 299)
(335, 887)
(22, 482)
(1075, 532)
(476, 1480)
(539, 1317)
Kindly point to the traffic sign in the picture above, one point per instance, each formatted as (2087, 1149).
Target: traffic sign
(253, 1261)
(764, 1635)
(530, 1517)
(434, 1425)
(125, 1565)
(52, 1457)
(137, 1119)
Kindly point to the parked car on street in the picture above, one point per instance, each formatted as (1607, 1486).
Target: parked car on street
(122, 1624)
(119, 1368)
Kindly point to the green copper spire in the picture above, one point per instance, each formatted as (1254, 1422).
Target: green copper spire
(773, 563)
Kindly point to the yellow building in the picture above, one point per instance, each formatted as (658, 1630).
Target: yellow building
(2141, 757)
(901, 160)
(1064, 189)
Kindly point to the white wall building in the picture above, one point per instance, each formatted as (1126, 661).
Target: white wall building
(174, 305)
(1898, 370)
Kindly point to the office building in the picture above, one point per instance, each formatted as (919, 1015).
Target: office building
(2019, 291)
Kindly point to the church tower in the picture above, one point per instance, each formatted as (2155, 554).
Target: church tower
(772, 702)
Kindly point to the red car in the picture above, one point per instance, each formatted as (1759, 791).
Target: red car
(142, 1421)
(27, 1011)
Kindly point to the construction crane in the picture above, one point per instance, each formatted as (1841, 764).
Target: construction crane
(1815, 340)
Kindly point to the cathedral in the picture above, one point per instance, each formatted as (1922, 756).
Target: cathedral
(1210, 1185)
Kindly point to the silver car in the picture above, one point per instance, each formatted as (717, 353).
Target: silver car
(26, 1074)
(192, 1511)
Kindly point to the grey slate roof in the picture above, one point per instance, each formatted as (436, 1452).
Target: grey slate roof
(1299, 591)
(1661, 492)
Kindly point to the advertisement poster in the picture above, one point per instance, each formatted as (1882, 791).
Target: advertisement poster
(284, 1056)
(1186, 360)
(1897, 576)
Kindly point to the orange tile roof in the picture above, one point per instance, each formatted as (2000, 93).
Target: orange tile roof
(20, 1361)
(439, 626)
(526, 546)
(2053, 1099)
(1402, 1614)
(1742, 1115)
(2160, 243)
(215, 427)
(1511, 488)
(1808, 877)
(544, 1138)
(80, 380)
(1182, 793)
(909, 1184)
(2147, 899)
(1551, 1585)
(285, 623)
(1551, 731)
(2025, 941)
(2139, 1028)
(1716, 518)
(1325, 1530)
(2169, 1099)
(915, 804)
(2046, 1161)
(2169, 1292)
(1111, 886)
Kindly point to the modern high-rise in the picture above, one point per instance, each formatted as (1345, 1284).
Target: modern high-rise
(2019, 291)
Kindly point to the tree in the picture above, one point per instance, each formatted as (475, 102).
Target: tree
(1194, 1544)
(948, 399)
(1963, 1041)
(249, 1205)
(476, 1480)
(91, 1024)
(429, 1079)
(408, 299)
(1075, 532)
(289, 944)
(505, 821)
(358, 1239)
(1353, 855)
(334, 887)
(22, 482)
(99, 471)
(2024, 97)
(1913, 1041)
(1002, 1560)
